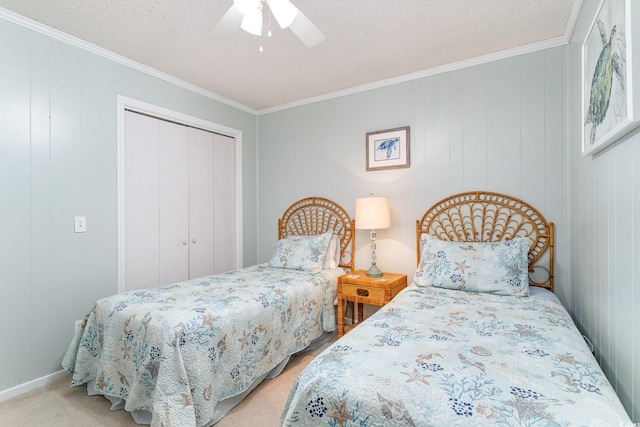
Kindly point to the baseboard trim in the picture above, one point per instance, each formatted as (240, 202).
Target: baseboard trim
(20, 389)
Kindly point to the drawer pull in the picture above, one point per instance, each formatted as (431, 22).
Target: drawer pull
(362, 292)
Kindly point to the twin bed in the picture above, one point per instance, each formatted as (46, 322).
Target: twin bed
(470, 342)
(185, 354)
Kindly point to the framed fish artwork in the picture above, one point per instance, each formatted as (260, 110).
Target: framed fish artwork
(388, 149)
(610, 74)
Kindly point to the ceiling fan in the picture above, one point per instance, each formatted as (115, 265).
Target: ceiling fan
(247, 14)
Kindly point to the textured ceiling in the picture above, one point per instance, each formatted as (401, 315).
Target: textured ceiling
(366, 40)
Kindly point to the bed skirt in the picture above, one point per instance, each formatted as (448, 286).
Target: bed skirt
(223, 407)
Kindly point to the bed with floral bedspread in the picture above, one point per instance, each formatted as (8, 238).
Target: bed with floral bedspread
(441, 357)
(474, 341)
(185, 354)
(177, 350)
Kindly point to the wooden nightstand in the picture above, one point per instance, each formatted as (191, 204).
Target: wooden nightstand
(356, 287)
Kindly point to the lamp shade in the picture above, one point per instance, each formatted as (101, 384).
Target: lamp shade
(372, 213)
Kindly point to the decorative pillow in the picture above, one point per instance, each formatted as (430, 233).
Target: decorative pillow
(332, 257)
(301, 254)
(333, 253)
(338, 254)
(494, 267)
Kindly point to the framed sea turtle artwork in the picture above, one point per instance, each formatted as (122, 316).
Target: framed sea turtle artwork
(388, 149)
(610, 74)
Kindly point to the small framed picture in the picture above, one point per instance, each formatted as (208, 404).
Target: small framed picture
(388, 149)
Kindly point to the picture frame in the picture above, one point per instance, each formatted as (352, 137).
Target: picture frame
(610, 75)
(388, 149)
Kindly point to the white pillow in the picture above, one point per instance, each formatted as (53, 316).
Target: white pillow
(338, 253)
(332, 257)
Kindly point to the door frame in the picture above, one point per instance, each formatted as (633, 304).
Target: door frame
(124, 103)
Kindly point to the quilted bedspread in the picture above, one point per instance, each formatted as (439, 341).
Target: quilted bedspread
(437, 357)
(177, 350)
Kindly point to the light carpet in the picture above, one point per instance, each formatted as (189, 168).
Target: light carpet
(60, 405)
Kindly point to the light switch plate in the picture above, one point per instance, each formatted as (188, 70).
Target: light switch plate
(80, 224)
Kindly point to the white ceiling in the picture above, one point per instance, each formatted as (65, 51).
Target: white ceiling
(366, 41)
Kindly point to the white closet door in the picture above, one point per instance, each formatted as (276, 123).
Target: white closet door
(224, 208)
(201, 202)
(141, 202)
(179, 213)
(173, 181)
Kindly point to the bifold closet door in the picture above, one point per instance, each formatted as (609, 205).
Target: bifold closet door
(201, 201)
(173, 199)
(211, 203)
(142, 216)
(156, 202)
(179, 202)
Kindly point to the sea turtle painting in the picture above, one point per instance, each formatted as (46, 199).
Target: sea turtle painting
(387, 147)
(609, 64)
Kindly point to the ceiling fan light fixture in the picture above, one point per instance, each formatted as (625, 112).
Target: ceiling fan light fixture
(284, 12)
(247, 14)
(245, 6)
(252, 22)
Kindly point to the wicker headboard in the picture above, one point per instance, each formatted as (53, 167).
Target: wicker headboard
(480, 216)
(316, 215)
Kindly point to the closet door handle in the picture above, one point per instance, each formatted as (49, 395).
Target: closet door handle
(184, 243)
(193, 241)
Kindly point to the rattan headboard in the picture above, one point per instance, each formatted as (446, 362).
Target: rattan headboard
(316, 215)
(480, 216)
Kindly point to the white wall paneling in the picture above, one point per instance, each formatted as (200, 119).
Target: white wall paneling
(474, 127)
(504, 124)
(15, 210)
(604, 207)
(58, 159)
(471, 129)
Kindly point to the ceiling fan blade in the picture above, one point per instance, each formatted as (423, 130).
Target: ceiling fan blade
(306, 31)
(229, 23)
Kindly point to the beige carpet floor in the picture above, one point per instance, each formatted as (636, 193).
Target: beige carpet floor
(60, 405)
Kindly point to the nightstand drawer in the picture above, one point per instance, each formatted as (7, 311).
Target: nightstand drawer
(363, 292)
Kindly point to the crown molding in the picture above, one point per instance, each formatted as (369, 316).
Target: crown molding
(82, 44)
(90, 47)
(534, 47)
(571, 21)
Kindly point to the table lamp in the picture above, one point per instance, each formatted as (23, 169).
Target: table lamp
(372, 213)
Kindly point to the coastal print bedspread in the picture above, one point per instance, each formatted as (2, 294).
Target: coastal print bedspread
(439, 357)
(177, 350)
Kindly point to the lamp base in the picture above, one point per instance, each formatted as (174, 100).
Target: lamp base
(374, 271)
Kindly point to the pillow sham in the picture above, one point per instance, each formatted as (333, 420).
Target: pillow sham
(301, 254)
(493, 267)
(332, 257)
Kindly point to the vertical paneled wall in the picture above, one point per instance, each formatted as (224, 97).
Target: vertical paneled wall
(498, 127)
(604, 202)
(58, 160)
